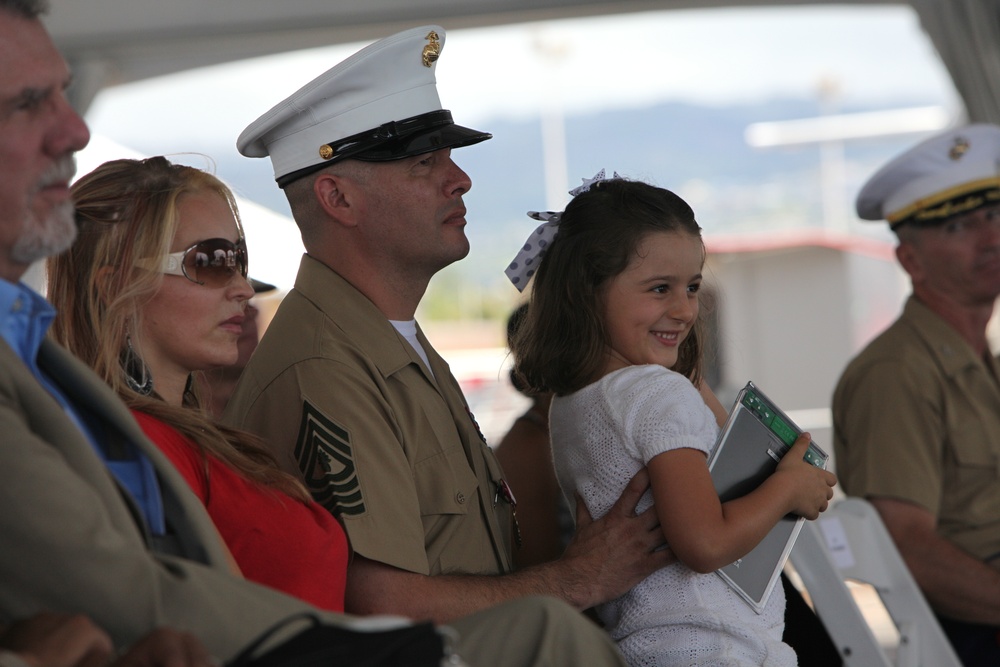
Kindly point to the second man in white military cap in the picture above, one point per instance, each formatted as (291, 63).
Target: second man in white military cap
(917, 413)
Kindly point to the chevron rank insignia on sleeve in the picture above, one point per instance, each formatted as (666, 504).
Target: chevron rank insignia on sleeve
(326, 459)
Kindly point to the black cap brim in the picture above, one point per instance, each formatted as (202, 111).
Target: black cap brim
(396, 140)
(449, 136)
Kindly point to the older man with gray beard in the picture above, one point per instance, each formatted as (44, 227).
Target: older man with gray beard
(55, 231)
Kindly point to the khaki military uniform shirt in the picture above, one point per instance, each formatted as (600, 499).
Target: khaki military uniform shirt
(916, 417)
(345, 402)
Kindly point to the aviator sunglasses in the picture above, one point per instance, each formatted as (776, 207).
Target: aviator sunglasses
(211, 262)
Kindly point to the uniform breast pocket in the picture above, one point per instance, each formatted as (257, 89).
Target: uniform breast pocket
(973, 430)
(974, 473)
(971, 492)
(445, 484)
(973, 449)
(454, 533)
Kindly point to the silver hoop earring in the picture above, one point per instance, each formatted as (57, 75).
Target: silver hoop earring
(137, 375)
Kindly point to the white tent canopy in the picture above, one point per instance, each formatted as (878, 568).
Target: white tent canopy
(118, 41)
(967, 36)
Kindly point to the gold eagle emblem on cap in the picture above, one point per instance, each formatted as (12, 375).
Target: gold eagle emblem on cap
(325, 151)
(431, 50)
(959, 148)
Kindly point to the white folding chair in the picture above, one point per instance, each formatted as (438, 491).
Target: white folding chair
(850, 541)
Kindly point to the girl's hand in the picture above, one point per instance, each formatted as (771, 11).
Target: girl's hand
(810, 488)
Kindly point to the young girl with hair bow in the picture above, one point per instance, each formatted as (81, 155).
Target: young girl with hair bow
(612, 328)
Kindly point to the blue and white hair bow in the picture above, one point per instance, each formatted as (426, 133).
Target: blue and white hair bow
(530, 255)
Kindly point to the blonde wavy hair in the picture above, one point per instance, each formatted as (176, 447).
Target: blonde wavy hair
(127, 211)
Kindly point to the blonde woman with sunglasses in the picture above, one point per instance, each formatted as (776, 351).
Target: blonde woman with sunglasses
(153, 292)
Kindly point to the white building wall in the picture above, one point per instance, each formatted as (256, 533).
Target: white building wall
(790, 319)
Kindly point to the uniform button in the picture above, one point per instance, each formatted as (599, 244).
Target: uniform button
(460, 498)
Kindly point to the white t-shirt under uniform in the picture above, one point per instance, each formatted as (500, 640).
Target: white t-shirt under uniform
(602, 436)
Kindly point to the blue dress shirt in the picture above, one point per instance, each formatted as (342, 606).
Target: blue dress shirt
(25, 317)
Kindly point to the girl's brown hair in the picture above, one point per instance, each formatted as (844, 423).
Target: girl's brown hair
(126, 212)
(562, 341)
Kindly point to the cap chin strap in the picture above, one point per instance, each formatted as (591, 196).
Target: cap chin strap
(392, 141)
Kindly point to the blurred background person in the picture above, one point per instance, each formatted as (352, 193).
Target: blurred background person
(525, 453)
(217, 384)
(916, 414)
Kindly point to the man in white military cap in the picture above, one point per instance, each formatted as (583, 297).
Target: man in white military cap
(917, 413)
(345, 387)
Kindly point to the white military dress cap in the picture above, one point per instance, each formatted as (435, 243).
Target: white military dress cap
(379, 104)
(954, 172)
